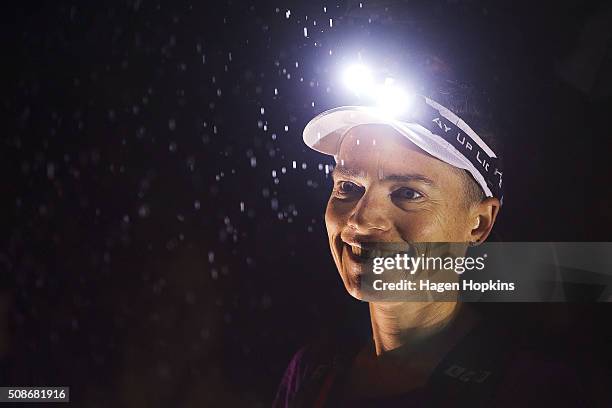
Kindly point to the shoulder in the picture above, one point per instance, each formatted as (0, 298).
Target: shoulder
(308, 367)
(533, 380)
(545, 369)
(510, 368)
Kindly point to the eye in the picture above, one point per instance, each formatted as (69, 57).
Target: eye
(348, 189)
(347, 186)
(405, 193)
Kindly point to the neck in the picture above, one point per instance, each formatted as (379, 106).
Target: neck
(403, 323)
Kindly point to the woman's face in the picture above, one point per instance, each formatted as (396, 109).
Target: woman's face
(387, 190)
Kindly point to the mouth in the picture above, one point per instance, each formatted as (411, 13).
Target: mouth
(361, 253)
(358, 254)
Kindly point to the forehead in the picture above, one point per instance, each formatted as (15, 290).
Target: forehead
(380, 149)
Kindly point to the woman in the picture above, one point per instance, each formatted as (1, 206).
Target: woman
(417, 177)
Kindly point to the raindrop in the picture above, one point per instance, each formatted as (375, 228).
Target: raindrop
(191, 163)
(144, 211)
(50, 171)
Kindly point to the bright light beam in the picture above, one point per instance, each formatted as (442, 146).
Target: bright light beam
(389, 98)
(358, 78)
(392, 100)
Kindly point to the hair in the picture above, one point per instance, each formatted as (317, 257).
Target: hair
(471, 103)
(474, 193)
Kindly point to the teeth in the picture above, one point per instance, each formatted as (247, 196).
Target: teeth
(373, 252)
(362, 252)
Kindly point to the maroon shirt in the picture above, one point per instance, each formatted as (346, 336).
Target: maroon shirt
(484, 369)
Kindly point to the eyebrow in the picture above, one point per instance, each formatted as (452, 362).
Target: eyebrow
(350, 172)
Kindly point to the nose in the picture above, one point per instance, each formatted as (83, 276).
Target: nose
(368, 216)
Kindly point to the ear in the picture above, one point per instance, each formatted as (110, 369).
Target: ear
(484, 215)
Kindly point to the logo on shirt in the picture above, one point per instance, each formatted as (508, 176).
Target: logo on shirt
(466, 375)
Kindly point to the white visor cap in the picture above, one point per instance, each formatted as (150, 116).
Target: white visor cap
(325, 131)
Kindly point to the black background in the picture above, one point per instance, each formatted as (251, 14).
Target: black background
(148, 255)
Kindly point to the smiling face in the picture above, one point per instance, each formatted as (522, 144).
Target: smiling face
(388, 190)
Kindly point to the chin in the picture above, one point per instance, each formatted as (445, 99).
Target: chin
(352, 284)
(355, 293)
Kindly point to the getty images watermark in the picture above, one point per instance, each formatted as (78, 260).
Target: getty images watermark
(490, 272)
(433, 265)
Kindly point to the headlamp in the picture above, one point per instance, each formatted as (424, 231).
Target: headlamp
(429, 125)
(390, 97)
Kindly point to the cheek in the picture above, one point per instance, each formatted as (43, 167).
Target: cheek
(432, 225)
(458, 223)
(423, 226)
(336, 216)
(334, 224)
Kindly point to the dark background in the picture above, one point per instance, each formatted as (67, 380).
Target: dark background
(155, 253)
